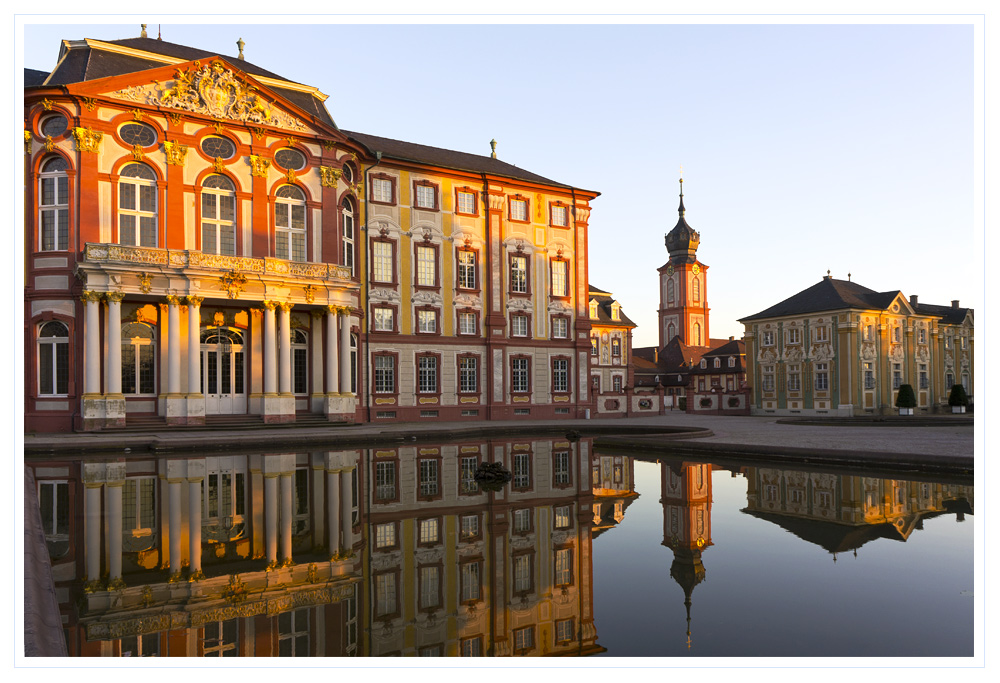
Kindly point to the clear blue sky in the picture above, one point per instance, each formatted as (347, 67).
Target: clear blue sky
(805, 147)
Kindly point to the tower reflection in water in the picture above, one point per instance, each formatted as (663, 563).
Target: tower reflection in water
(389, 551)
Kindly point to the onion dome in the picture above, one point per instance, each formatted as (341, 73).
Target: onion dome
(682, 242)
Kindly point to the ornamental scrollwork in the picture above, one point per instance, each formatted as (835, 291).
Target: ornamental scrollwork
(137, 153)
(145, 282)
(47, 104)
(49, 144)
(259, 166)
(90, 103)
(310, 293)
(291, 177)
(27, 142)
(233, 283)
(87, 139)
(329, 176)
(176, 152)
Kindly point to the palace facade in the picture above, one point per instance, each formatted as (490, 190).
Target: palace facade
(840, 348)
(202, 239)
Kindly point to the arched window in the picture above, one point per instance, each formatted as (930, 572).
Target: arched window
(138, 359)
(137, 216)
(697, 334)
(670, 291)
(347, 254)
(218, 216)
(300, 362)
(290, 224)
(696, 289)
(53, 359)
(671, 332)
(53, 205)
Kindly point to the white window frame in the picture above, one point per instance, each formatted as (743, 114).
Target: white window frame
(560, 278)
(383, 265)
(289, 230)
(466, 202)
(139, 188)
(223, 231)
(518, 210)
(59, 353)
(426, 266)
(519, 274)
(57, 230)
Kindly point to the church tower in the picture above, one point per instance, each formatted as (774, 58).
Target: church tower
(683, 286)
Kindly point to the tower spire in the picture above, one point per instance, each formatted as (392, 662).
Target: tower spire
(680, 209)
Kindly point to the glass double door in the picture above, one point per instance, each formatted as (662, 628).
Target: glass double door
(223, 371)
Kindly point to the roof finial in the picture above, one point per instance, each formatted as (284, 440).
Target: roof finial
(680, 209)
(848, 277)
(493, 146)
(240, 44)
(159, 31)
(143, 34)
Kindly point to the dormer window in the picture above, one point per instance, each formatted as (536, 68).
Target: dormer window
(615, 311)
(703, 364)
(716, 363)
(732, 362)
(593, 310)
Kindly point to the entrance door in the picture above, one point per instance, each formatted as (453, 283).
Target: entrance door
(223, 375)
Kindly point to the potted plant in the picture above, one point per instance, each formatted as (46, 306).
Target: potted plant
(958, 399)
(906, 400)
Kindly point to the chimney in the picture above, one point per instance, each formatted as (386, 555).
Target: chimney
(656, 354)
(954, 303)
(913, 300)
(730, 338)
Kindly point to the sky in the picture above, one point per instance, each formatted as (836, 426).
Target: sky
(805, 147)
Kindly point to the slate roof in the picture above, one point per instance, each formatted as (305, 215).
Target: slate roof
(88, 63)
(828, 295)
(34, 77)
(673, 358)
(447, 158)
(949, 314)
(604, 301)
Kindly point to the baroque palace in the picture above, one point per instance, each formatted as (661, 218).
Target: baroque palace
(840, 348)
(202, 239)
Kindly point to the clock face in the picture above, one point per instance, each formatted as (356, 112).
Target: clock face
(670, 269)
(696, 269)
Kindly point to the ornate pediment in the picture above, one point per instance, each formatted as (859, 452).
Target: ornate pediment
(213, 90)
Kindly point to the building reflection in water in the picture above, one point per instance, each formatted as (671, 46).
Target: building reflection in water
(392, 551)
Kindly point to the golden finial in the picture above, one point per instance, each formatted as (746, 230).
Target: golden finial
(143, 34)
(240, 44)
(493, 146)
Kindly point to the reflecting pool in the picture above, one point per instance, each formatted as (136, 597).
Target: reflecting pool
(397, 551)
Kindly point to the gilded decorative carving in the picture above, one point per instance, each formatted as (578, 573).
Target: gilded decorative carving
(258, 132)
(236, 592)
(173, 299)
(147, 596)
(291, 176)
(241, 263)
(115, 296)
(87, 296)
(219, 319)
(307, 269)
(90, 103)
(194, 300)
(137, 114)
(87, 140)
(259, 166)
(218, 165)
(328, 145)
(268, 304)
(286, 306)
(217, 91)
(145, 282)
(176, 152)
(310, 293)
(357, 189)
(329, 176)
(49, 144)
(233, 283)
(27, 142)
(137, 152)
(217, 125)
(47, 104)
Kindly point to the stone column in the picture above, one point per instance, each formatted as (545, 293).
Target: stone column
(114, 400)
(333, 509)
(194, 525)
(173, 345)
(195, 397)
(332, 357)
(345, 351)
(271, 517)
(287, 515)
(284, 349)
(92, 345)
(345, 507)
(175, 526)
(270, 356)
(113, 497)
(92, 523)
(316, 359)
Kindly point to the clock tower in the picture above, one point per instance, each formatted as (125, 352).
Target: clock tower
(683, 309)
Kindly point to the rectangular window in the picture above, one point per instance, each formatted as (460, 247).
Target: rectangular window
(469, 527)
(467, 475)
(145, 645)
(54, 208)
(382, 266)
(524, 639)
(384, 320)
(560, 328)
(593, 346)
(922, 336)
(429, 477)
(564, 631)
(767, 338)
(429, 531)
(794, 336)
(822, 334)
(470, 581)
(616, 347)
(519, 326)
(518, 210)
(472, 647)
(869, 375)
(522, 521)
(522, 471)
(53, 503)
(468, 375)
(519, 274)
(561, 468)
(949, 380)
(522, 573)
(138, 505)
(382, 190)
(559, 280)
(427, 322)
(562, 520)
(426, 197)
(426, 266)
(219, 638)
(466, 269)
(466, 323)
(767, 378)
(822, 376)
(385, 480)
(427, 374)
(794, 378)
(385, 594)
(430, 587)
(385, 535)
(560, 375)
(519, 375)
(564, 567)
(922, 374)
(385, 375)
(897, 375)
(466, 202)
(559, 215)
(616, 384)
